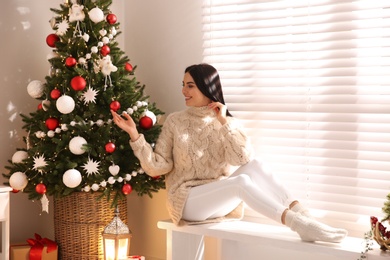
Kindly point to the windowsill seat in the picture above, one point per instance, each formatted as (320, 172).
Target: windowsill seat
(250, 240)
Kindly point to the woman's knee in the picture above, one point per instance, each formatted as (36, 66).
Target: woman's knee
(243, 180)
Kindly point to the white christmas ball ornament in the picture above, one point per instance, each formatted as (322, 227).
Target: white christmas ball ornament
(35, 89)
(18, 180)
(65, 104)
(76, 145)
(19, 156)
(96, 15)
(72, 178)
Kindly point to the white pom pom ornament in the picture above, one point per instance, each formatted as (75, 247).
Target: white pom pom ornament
(65, 104)
(72, 178)
(76, 145)
(35, 89)
(18, 180)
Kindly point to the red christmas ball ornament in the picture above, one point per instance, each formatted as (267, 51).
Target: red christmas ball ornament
(127, 189)
(40, 106)
(15, 191)
(52, 123)
(70, 62)
(115, 105)
(51, 40)
(78, 83)
(111, 18)
(145, 122)
(128, 67)
(55, 93)
(110, 147)
(40, 188)
(105, 50)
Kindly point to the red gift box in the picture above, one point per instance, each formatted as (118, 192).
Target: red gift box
(136, 257)
(36, 249)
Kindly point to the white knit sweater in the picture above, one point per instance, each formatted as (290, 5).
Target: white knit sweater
(193, 149)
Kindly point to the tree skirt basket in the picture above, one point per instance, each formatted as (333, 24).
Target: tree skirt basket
(79, 220)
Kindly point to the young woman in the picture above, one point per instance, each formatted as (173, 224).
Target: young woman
(195, 150)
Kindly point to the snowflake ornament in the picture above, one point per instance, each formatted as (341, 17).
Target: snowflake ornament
(91, 167)
(39, 163)
(90, 95)
(62, 27)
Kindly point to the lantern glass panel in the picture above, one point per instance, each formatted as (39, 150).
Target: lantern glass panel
(109, 249)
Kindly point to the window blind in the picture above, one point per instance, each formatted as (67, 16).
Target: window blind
(310, 81)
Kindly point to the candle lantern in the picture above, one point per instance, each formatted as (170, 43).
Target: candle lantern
(116, 239)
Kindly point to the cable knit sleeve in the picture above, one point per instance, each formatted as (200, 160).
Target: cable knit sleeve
(159, 161)
(238, 150)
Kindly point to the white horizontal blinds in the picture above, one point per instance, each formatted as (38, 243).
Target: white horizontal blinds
(311, 81)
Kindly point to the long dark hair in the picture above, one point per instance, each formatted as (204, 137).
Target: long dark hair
(207, 80)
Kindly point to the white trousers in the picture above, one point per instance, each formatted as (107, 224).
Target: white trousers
(250, 183)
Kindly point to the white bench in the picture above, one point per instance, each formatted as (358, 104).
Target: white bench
(253, 241)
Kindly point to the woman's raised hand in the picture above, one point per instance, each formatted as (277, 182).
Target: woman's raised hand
(126, 123)
(220, 111)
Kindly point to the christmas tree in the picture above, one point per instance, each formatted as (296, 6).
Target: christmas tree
(386, 208)
(72, 145)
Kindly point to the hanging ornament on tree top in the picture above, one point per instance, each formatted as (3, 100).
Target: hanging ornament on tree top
(111, 18)
(51, 40)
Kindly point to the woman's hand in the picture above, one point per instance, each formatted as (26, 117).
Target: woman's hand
(126, 124)
(220, 111)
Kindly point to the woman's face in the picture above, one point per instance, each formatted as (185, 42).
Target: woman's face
(192, 95)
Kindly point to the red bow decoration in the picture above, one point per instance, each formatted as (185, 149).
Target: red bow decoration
(37, 246)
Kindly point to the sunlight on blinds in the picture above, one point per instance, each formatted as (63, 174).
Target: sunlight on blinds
(311, 82)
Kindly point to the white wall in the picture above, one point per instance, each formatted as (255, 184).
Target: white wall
(162, 39)
(24, 26)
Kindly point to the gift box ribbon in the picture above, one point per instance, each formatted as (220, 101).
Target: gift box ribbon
(37, 246)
